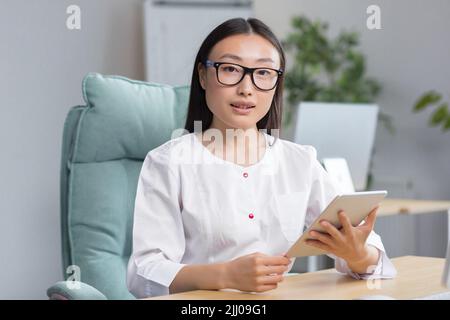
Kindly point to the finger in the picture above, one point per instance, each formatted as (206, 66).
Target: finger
(371, 218)
(318, 244)
(345, 221)
(267, 270)
(322, 237)
(266, 287)
(332, 231)
(275, 260)
(287, 256)
(270, 279)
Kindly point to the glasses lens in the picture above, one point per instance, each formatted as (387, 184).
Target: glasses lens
(265, 79)
(229, 74)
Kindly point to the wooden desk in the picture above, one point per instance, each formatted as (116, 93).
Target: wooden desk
(417, 276)
(411, 207)
(408, 206)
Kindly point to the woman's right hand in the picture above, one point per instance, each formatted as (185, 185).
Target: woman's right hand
(256, 272)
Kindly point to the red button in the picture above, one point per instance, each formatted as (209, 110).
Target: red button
(245, 174)
(251, 216)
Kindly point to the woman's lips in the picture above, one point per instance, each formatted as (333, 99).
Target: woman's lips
(244, 106)
(242, 109)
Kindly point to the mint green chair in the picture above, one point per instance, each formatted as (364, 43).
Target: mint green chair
(104, 145)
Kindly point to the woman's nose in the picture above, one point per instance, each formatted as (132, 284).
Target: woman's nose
(246, 85)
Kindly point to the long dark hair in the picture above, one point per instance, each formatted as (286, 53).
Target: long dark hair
(198, 110)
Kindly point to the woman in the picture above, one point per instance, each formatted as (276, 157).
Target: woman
(219, 206)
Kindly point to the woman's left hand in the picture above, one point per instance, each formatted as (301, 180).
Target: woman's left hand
(349, 242)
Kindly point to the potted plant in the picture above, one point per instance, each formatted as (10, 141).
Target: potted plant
(327, 70)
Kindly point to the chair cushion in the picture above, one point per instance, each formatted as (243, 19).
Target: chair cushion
(127, 118)
(122, 121)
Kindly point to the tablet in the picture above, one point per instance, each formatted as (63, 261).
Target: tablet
(356, 205)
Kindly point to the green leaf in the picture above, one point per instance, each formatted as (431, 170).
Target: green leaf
(387, 121)
(446, 124)
(439, 115)
(429, 98)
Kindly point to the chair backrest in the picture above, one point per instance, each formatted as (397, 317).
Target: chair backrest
(104, 145)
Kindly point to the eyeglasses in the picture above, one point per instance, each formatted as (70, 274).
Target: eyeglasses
(230, 74)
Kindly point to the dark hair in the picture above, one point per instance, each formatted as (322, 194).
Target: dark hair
(198, 110)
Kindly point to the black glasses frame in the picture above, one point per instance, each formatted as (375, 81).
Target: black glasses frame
(216, 65)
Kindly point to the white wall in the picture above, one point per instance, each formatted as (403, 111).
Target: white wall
(408, 56)
(42, 64)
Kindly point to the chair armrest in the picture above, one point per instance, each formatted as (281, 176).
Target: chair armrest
(65, 290)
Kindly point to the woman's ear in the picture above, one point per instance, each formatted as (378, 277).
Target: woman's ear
(201, 75)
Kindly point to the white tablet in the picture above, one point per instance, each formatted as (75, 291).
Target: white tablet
(356, 205)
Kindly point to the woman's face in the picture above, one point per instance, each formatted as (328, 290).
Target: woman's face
(249, 51)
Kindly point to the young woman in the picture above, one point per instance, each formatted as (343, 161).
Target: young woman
(219, 206)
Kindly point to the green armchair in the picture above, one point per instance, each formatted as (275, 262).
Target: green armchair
(104, 145)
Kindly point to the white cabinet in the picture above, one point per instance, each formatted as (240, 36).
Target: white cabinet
(174, 31)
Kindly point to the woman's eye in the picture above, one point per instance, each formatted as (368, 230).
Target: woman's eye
(263, 72)
(229, 69)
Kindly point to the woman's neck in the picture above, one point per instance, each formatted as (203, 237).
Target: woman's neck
(244, 147)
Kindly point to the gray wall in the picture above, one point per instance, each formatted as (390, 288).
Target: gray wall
(42, 64)
(409, 55)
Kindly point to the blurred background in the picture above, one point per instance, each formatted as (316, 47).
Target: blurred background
(44, 57)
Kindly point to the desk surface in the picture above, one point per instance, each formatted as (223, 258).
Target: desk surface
(410, 206)
(417, 276)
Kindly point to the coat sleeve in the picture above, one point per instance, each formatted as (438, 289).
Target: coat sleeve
(158, 234)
